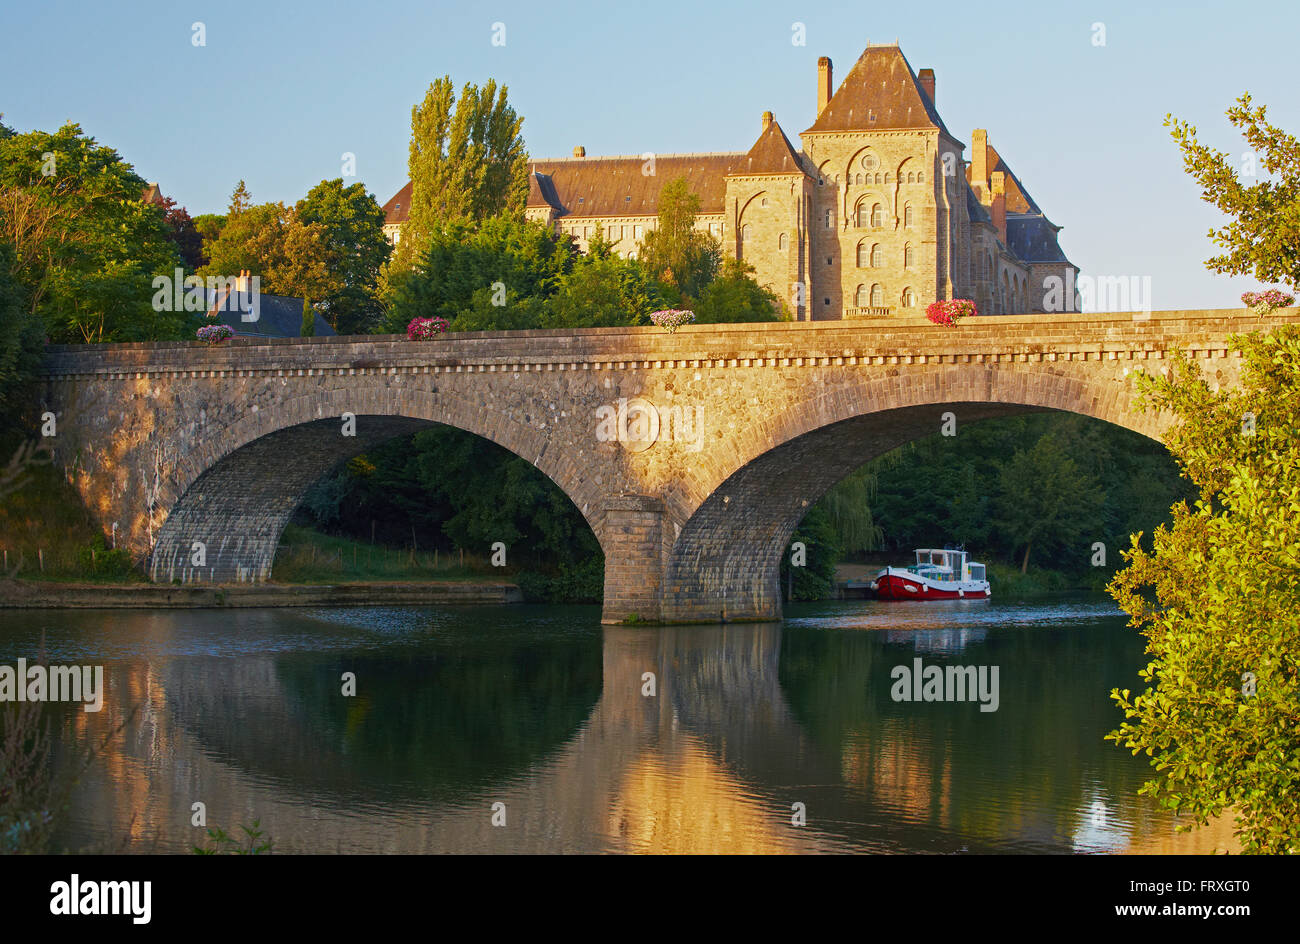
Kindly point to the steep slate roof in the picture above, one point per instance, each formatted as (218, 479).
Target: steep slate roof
(772, 153)
(975, 209)
(881, 83)
(616, 186)
(278, 316)
(1032, 237)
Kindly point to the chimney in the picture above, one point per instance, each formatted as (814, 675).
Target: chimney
(767, 120)
(823, 83)
(998, 210)
(979, 164)
(927, 83)
(580, 151)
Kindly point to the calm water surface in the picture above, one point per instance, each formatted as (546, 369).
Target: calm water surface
(542, 710)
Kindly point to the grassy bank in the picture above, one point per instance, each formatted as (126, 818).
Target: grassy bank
(1006, 580)
(309, 557)
(46, 533)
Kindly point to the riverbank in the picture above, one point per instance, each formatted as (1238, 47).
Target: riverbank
(30, 594)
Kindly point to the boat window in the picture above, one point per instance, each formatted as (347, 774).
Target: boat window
(937, 558)
(976, 571)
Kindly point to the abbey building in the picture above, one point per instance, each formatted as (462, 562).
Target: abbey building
(877, 214)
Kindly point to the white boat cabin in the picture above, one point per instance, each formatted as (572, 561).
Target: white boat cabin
(946, 564)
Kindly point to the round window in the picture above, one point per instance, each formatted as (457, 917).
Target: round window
(870, 162)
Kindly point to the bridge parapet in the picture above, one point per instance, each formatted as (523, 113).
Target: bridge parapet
(180, 443)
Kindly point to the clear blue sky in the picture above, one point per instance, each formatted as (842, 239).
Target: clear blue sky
(281, 90)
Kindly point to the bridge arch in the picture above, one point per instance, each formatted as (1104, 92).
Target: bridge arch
(238, 490)
(726, 560)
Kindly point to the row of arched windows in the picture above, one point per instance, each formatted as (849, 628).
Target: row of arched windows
(873, 296)
(873, 256)
(873, 216)
(869, 179)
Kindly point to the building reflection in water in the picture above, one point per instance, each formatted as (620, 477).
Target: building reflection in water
(746, 722)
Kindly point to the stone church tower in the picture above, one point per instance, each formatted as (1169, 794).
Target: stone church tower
(875, 216)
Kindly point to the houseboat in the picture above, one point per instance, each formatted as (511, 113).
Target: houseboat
(939, 574)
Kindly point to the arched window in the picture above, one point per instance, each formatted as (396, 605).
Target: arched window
(877, 257)
(920, 176)
(762, 201)
(877, 296)
(877, 215)
(862, 298)
(745, 232)
(864, 255)
(781, 242)
(909, 257)
(862, 215)
(911, 177)
(907, 215)
(830, 219)
(858, 179)
(909, 298)
(877, 178)
(886, 177)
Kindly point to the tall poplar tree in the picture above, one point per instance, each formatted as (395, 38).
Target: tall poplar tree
(467, 163)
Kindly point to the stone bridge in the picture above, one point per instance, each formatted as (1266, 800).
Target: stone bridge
(692, 456)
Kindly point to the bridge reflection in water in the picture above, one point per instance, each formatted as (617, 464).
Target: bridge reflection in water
(456, 712)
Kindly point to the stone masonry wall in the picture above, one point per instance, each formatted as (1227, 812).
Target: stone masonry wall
(691, 455)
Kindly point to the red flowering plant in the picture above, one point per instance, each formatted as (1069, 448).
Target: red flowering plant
(951, 311)
(423, 329)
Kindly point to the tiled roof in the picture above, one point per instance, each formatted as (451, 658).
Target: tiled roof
(1018, 198)
(772, 153)
(618, 186)
(880, 92)
(398, 207)
(1032, 237)
(612, 186)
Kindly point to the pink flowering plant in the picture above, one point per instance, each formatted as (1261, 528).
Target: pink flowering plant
(1261, 303)
(951, 311)
(670, 319)
(424, 329)
(215, 333)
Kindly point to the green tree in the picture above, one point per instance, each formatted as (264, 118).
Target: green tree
(1047, 498)
(603, 291)
(355, 249)
(815, 580)
(467, 161)
(734, 296)
(87, 246)
(1218, 598)
(22, 339)
(487, 275)
(270, 240)
(1264, 235)
(848, 508)
(674, 252)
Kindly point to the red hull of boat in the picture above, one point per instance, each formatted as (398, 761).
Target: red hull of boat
(894, 587)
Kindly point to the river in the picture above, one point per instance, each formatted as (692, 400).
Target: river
(535, 729)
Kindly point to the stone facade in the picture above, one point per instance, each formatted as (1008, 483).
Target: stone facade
(173, 444)
(876, 215)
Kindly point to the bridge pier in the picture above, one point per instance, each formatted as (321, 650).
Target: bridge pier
(631, 535)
